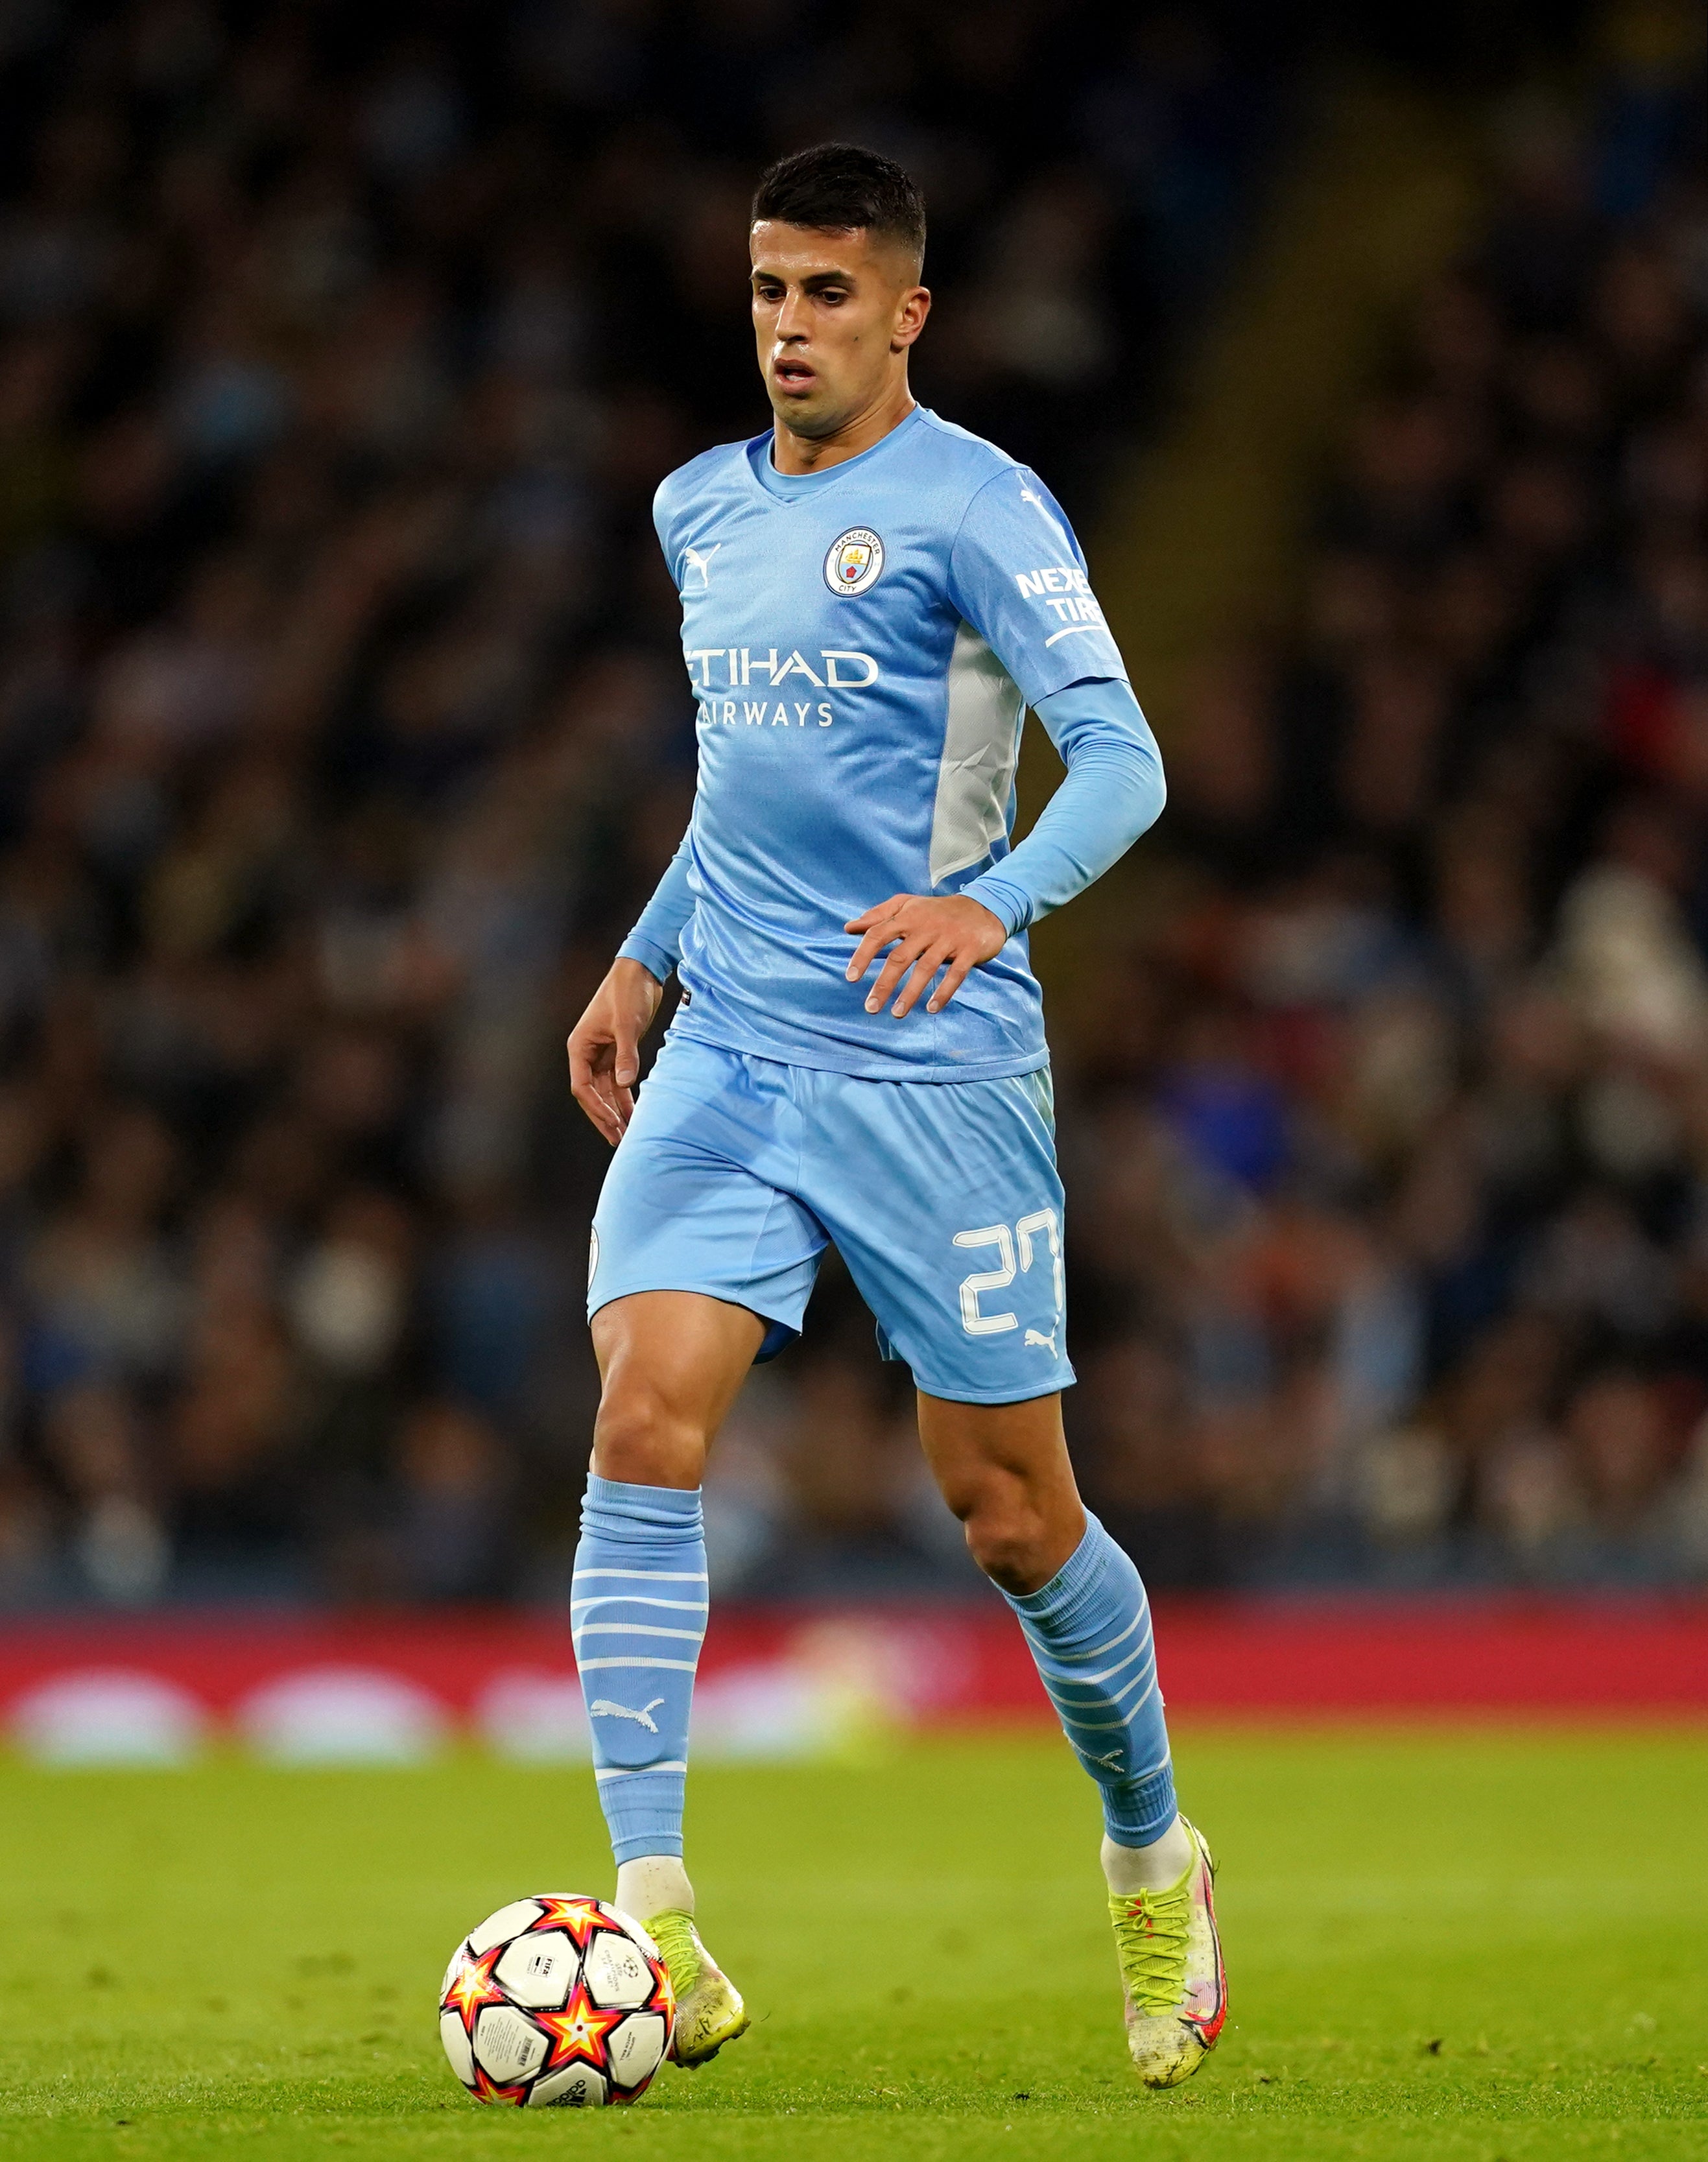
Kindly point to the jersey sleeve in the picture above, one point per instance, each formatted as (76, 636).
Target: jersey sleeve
(1113, 790)
(656, 940)
(1016, 574)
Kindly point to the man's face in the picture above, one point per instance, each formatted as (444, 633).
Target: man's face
(834, 314)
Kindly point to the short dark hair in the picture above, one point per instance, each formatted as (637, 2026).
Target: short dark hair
(839, 187)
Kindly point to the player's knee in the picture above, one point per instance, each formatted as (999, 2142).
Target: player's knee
(1007, 1537)
(643, 1439)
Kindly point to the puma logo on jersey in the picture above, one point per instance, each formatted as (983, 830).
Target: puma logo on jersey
(698, 560)
(1037, 1336)
(603, 1707)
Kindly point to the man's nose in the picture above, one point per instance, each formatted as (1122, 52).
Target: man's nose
(791, 318)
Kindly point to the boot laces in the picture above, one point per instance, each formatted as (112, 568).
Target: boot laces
(673, 1932)
(1151, 1931)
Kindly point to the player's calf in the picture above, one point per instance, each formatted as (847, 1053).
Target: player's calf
(1089, 1631)
(670, 1363)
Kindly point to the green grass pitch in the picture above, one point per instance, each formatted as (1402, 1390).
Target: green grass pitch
(1441, 1945)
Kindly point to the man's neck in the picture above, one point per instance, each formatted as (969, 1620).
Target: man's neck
(809, 454)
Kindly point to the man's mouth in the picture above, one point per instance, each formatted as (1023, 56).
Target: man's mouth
(793, 375)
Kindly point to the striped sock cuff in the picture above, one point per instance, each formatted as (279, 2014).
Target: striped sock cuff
(1136, 1811)
(644, 1810)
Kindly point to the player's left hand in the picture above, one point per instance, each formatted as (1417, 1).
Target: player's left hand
(950, 932)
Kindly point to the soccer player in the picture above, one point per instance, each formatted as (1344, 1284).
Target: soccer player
(871, 599)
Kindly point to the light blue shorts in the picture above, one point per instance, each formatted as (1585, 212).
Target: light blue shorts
(942, 1198)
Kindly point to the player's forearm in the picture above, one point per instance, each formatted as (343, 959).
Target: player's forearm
(656, 940)
(1114, 791)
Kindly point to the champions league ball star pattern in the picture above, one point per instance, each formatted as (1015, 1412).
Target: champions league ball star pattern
(559, 2001)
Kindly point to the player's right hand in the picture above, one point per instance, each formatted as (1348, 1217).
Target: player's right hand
(604, 1046)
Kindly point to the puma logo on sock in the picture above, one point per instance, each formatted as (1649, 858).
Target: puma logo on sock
(603, 1707)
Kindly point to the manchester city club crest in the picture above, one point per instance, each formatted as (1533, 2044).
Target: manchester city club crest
(855, 559)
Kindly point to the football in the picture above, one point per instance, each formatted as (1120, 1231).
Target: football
(558, 2000)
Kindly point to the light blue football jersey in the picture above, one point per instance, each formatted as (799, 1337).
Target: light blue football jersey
(862, 646)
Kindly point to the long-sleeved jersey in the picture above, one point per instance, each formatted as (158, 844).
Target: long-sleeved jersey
(863, 643)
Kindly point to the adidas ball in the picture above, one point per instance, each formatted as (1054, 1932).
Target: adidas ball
(558, 1999)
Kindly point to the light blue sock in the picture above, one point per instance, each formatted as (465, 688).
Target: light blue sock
(637, 1612)
(1089, 1631)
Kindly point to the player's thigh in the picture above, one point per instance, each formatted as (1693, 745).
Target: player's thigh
(1003, 1469)
(984, 1455)
(690, 1203)
(946, 1203)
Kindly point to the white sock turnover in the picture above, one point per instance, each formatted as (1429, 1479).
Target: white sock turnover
(1158, 1867)
(645, 1888)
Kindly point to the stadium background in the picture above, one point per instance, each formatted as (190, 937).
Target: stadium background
(343, 737)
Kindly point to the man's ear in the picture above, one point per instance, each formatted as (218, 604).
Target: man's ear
(915, 305)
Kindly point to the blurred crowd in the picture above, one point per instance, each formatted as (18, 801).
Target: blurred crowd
(343, 736)
(1390, 1226)
(343, 731)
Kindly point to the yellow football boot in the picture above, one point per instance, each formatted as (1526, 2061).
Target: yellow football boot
(710, 2009)
(1171, 1971)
